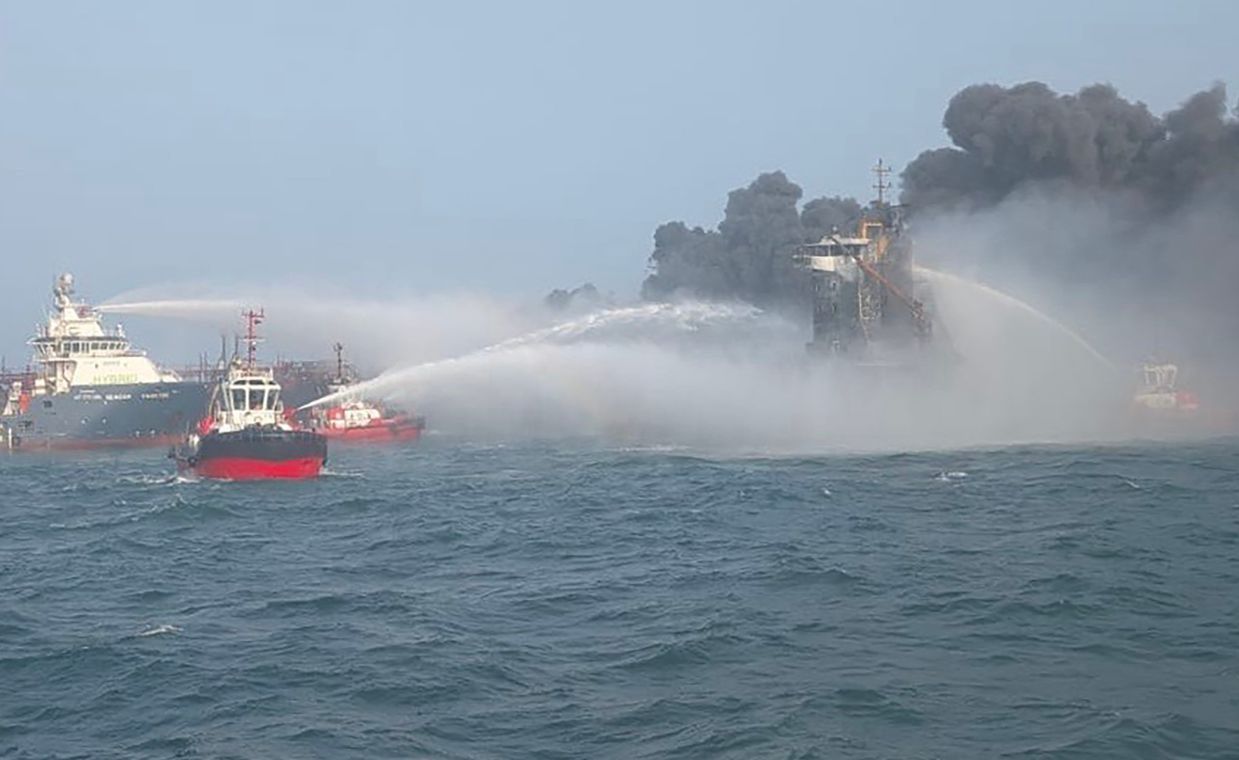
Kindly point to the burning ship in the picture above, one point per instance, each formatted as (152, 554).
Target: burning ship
(91, 387)
(867, 304)
(356, 420)
(246, 434)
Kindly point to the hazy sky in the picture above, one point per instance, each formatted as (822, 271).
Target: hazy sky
(507, 147)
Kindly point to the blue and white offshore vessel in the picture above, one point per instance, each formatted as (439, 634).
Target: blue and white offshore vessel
(91, 388)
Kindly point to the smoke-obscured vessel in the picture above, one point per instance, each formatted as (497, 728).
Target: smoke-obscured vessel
(246, 434)
(867, 304)
(91, 388)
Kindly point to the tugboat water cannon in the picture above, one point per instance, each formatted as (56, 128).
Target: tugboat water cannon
(356, 420)
(246, 434)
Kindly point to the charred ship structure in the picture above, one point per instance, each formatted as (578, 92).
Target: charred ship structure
(868, 305)
(91, 388)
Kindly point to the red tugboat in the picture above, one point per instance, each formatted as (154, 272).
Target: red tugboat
(354, 420)
(246, 435)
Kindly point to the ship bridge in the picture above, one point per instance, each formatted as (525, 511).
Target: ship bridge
(75, 349)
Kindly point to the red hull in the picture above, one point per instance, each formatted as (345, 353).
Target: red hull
(241, 468)
(373, 433)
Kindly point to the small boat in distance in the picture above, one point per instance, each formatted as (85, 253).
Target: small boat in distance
(356, 420)
(246, 434)
(1159, 393)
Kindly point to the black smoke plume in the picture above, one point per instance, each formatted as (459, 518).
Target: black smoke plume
(1129, 218)
(748, 257)
(582, 298)
(1009, 137)
(1111, 206)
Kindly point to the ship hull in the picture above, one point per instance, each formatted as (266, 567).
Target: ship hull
(256, 455)
(244, 468)
(144, 414)
(385, 431)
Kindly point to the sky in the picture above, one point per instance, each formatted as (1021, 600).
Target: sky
(403, 148)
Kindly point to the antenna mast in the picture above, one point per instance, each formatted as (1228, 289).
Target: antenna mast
(252, 320)
(339, 349)
(881, 170)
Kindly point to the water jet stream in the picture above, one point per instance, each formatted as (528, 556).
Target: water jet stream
(184, 308)
(1011, 301)
(683, 317)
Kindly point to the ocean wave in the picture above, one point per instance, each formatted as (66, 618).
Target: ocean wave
(564, 599)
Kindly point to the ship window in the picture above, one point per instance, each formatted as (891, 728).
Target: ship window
(256, 398)
(238, 398)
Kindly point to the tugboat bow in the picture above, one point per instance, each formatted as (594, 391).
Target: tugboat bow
(246, 434)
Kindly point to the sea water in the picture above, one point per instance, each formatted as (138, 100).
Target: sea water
(577, 599)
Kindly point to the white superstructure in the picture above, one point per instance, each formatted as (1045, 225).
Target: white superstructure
(248, 397)
(76, 351)
(1160, 391)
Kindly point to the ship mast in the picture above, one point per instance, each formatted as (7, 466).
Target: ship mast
(881, 170)
(339, 349)
(252, 320)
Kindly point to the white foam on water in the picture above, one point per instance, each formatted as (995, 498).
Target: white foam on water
(160, 630)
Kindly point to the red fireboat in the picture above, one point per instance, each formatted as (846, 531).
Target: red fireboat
(354, 420)
(246, 434)
(1160, 395)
